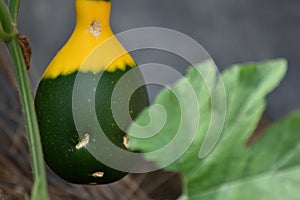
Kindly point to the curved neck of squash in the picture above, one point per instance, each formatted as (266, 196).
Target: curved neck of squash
(88, 11)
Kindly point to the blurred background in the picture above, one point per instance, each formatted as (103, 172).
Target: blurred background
(232, 31)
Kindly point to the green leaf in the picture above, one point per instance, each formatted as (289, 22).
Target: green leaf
(271, 169)
(246, 87)
(175, 114)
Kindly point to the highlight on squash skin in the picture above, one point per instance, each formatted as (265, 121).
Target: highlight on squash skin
(90, 14)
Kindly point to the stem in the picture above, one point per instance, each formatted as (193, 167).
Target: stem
(35, 146)
(6, 27)
(40, 190)
(13, 6)
(4, 36)
(5, 18)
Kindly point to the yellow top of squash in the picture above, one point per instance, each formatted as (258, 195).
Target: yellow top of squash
(92, 47)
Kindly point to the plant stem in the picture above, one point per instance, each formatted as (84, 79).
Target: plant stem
(35, 146)
(40, 190)
(4, 36)
(13, 6)
(6, 28)
(5, 18)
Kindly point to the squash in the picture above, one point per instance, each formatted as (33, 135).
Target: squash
(64, 145)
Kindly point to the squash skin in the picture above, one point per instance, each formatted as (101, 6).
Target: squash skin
(59, 135)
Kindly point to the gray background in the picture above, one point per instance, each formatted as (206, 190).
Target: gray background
(232, 31)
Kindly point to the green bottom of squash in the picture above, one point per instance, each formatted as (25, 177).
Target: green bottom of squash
(63, 141)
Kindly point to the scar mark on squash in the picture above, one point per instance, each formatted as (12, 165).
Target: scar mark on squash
(95, 28)
(126, 141)
(98, 174)
(83, 141)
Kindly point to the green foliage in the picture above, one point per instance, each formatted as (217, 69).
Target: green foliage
(268, 169)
